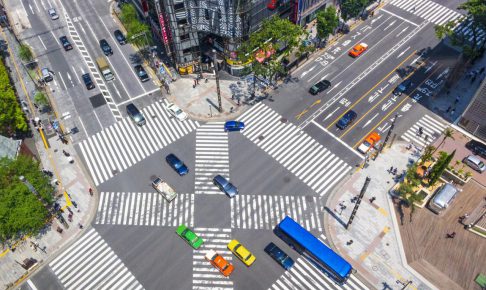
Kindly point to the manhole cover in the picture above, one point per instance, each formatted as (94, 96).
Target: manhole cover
(97, 100)
(261, 137)
(283, 120)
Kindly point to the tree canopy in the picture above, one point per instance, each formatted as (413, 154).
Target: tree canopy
(25, 53)
(21, 211)
(476, 17)
(327, 22)
(135, 28)
(12, 118)
(352, 8)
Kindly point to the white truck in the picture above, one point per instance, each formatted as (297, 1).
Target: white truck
(105, 69)
(163, 188)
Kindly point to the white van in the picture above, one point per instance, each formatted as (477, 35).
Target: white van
(475, 163)
(46, 75)
(443, 198)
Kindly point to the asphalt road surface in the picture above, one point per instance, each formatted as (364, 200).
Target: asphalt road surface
(286, 162)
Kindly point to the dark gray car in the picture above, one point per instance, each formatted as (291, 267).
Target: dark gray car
(106, 47)
(225, 186)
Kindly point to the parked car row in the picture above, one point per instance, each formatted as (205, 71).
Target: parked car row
(240, 251)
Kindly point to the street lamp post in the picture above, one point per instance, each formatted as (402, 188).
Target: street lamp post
(218, 91)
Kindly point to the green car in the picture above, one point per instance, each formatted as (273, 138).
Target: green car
(189, 236)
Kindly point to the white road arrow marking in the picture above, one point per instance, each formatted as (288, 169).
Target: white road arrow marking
(403, 30)
(69, 76)
(370, 120)
(389, 25)
(332, 113)
(401, 53)
(335, 86)
(308, 71)
(324, 77)
(31, 9)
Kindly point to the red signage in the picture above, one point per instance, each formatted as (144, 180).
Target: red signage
(145, 8)
(163, 28)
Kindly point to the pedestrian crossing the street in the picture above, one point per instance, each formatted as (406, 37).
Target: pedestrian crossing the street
(204, 275)
(266, 211)
(211, 157)
(144, 209)
(294, 149)
(431, 130)
(91, 264)
(123, 144)
(304, 275)
(429, 10)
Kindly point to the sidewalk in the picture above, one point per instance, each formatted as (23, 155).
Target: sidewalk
(376, 249)
(72, 180)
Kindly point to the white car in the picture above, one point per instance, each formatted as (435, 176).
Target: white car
(53, 14)
(176, 112)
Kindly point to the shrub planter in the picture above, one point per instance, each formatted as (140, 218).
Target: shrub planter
(456, 178)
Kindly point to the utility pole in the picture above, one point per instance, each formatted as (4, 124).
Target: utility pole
(358, 201)
(220, 105)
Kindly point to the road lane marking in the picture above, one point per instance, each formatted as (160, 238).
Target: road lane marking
(42, 42)
(399, 17)
(339, 140)
(370, 90)
(403, 52)
(393, 110)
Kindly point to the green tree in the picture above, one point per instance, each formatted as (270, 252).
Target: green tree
(428, 153)
(448, 133)
(439, 167)
(352, 8)
(25, 53)
(277, 35)
(138, 33)
(21, 212)
(476, 16)
(12, 118)
(327, 22)
(41, 99)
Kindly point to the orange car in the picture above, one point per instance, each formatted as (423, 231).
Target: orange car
(358, 49)
(370, 141)
(225, 267)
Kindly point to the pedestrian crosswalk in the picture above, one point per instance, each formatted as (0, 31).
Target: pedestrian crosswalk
(429, 10)
(91, 264)
(123, 144)
(431, 130)
(294, 149)
(144, 209)
(304, 275)
(204, 275)
(211, 157)
(266, 211)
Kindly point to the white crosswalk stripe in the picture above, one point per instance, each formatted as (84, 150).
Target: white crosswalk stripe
(266, 211)
(91, 264)
(429, 10)
(122, 145)
(304, 275)
(439, 14)
(211, 157)
(294, 149)
(204, 275)
(432, 129)
(144, 209)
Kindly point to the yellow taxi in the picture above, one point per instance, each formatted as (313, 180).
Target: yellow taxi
(358, 49)
(241, 252)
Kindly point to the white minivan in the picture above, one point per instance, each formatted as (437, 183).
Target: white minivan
(475, 163)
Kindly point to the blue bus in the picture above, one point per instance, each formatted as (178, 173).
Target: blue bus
(314, 250)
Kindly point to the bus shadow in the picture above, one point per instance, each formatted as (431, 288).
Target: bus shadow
(335, 216)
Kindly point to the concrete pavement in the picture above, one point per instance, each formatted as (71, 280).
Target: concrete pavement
(373, 243)
(72, 190)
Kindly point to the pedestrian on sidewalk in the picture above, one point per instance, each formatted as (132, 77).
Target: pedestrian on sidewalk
(452, 112)
(457, 99)
(426, 138)
(448, 109)
(195, 82)
(390, 170)
(372, 199)
(349, 242)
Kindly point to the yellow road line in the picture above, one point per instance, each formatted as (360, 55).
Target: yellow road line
(369, 91)
(396, 107)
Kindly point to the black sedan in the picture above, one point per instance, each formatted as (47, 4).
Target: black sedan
(141, 73)
(65, 43)
(87, 81)
(120, 37)
(106, 47)
(279, 256)
(319, 87)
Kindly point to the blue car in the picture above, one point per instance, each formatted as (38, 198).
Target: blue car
(177, 164)
(346, 120)
(278, 255)
(234, 126)
(225, 186)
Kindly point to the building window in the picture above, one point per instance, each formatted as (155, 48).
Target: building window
(206, 14)
(187, 51)
(182, 21)
(184, 37)
(179, 6)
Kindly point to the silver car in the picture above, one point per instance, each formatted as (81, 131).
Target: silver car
(475, 163)
(53, 14)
